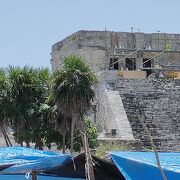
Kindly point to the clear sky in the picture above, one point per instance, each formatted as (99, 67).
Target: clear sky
(28, 28)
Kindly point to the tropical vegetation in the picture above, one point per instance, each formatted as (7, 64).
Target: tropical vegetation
(42, 109)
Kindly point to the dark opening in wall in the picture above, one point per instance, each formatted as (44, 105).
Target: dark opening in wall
(113, 64)
(130, 64)
(147, 64)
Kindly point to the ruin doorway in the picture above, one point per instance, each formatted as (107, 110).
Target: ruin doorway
(130, 64)
(114, 64)
(147, 64)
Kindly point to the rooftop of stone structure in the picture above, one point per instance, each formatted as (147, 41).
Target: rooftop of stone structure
(101, 35)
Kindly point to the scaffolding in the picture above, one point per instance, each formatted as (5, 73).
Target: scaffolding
(152, 55)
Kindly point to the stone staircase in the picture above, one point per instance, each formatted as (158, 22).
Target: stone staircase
(119, 114)
(158, 102)
(111, 116)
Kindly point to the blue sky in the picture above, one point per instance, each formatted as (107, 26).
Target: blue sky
(28, 28)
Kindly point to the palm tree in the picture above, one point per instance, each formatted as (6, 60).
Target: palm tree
(19, 88)
(40, 117)
(4, 105)
(72, 91)
(28, 91)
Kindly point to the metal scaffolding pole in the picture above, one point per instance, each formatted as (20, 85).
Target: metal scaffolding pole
(124, 57)
(154, 57)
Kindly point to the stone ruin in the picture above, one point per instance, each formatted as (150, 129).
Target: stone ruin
(157, 101)
(139, 74)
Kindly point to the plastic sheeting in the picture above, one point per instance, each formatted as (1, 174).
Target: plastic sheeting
(24, 160)
(142, 165)
(40, 177)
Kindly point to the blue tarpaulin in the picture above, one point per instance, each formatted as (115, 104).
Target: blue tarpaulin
(24, 159)
(142, 165)
(40, 177)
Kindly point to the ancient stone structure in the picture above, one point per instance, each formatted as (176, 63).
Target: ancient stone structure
(120, 50)
(120, 99)
(156, 100)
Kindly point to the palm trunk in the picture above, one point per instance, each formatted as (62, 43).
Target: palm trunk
(21, 144)
(64, 139)
(5, 138)
(27, 144)
(5, 135)
(39, 144)
(72, 133)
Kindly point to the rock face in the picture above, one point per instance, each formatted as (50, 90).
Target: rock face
(158, 102)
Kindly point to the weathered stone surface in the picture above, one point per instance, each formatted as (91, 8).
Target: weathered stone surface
(97, 47)
(158, 102)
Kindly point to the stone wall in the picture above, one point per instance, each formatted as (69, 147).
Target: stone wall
(94, 46)
(88, 46)
(158, 102)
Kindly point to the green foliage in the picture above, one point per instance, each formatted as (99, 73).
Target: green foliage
(3, 95)
(104, 149)
(72, 86)
(2, 90)
(28, 91)
(40, 109)
(72, 93)
(148, 148)
(91, 131)
(168, 47)
(73, 37)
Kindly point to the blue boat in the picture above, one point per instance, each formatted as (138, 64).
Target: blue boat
(143, 166)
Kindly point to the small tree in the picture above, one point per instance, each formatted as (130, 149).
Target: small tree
(91, 130)
(72, 93)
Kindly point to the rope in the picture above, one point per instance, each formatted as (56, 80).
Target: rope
(74, 165)
(27, 175)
